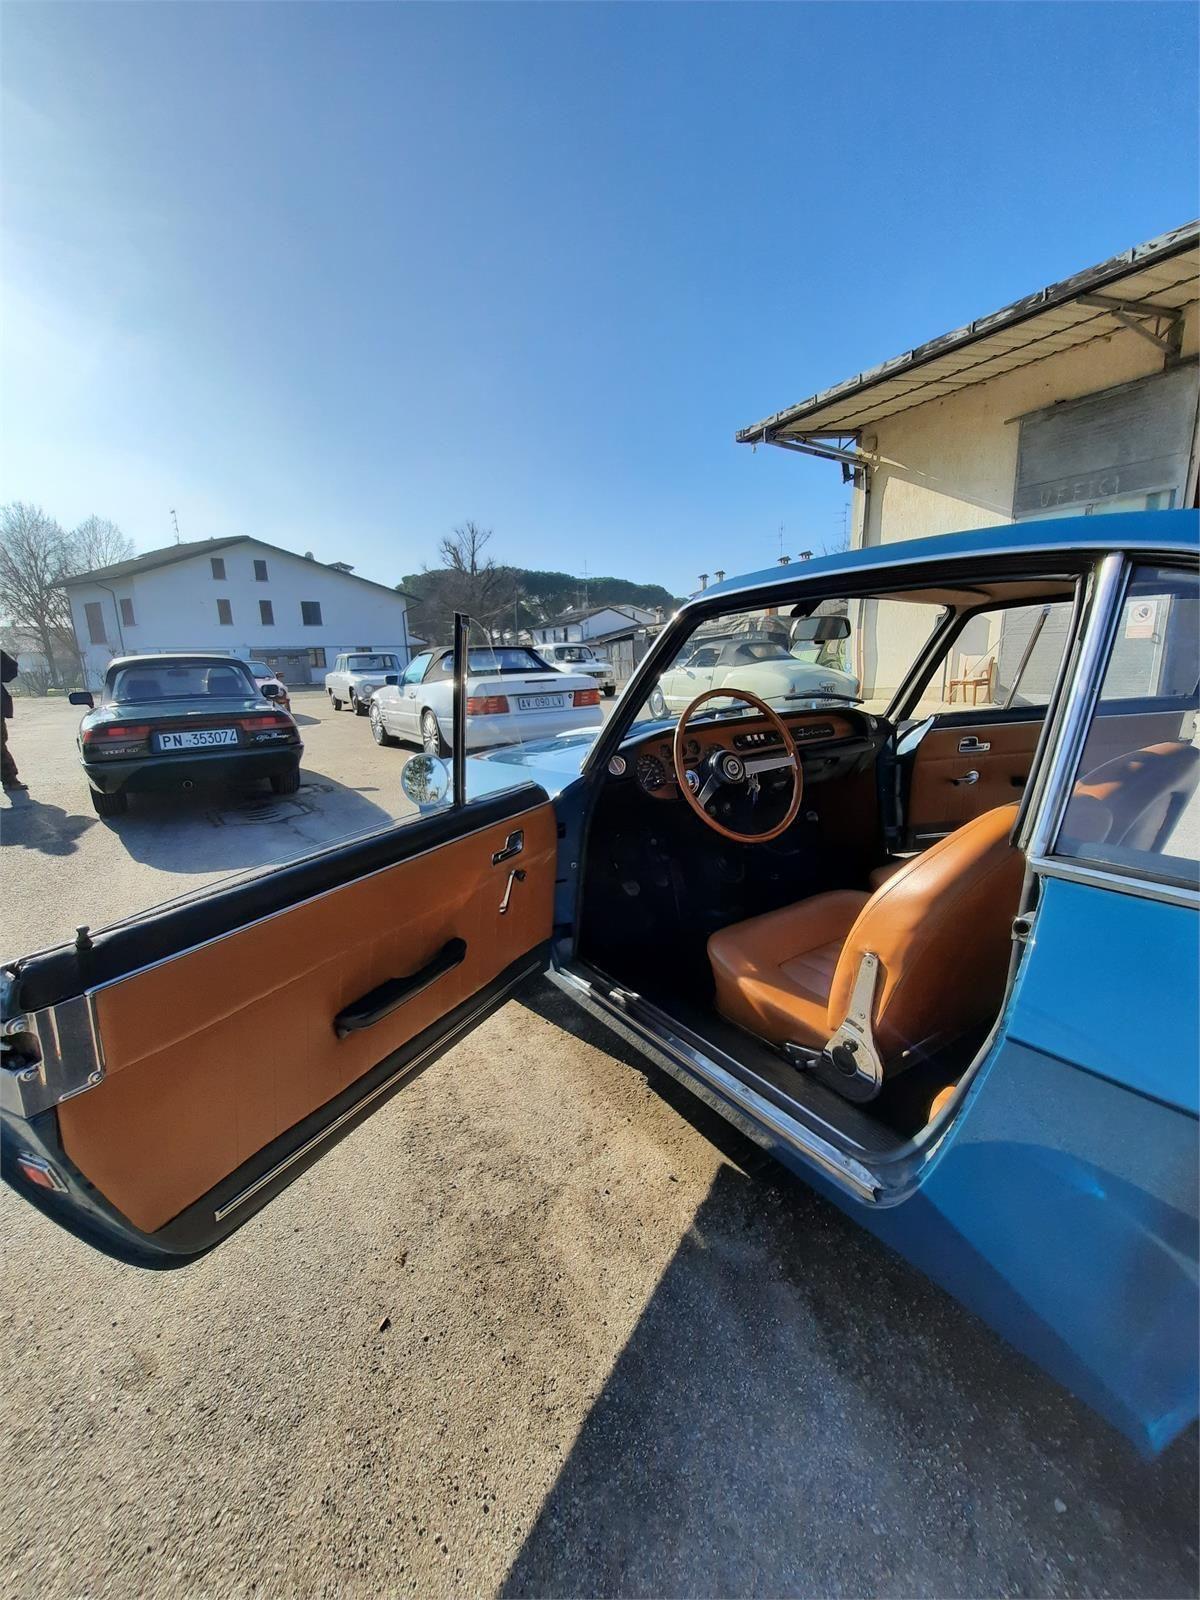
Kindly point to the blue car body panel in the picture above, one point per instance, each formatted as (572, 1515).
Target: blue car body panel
(1060, 1203)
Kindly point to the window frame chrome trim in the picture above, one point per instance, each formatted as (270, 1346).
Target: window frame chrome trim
(1099, 628)
(1071, 870)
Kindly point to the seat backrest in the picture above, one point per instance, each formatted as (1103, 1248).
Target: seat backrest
(141, 689)
(942, 929)
(221, 681)
(1134, 790)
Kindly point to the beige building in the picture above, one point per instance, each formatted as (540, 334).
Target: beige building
(1076, 400)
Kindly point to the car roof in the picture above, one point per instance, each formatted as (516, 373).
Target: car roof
(168, 656)
(1126, 530)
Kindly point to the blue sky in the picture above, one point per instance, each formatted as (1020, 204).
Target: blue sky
(342, 276)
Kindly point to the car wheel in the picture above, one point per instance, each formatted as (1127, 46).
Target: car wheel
(431, 735)
(286, 782)
(657, 704)
(359, 707)
(382, 736)
(110, 805)
(335, 702)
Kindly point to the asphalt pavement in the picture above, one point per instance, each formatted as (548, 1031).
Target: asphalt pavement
(543, 1326)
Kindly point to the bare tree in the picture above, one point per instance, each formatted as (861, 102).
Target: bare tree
(469, 581)
(35, 557)
(97, 542)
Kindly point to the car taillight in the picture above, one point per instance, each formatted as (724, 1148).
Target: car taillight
(112, 730)
(275, 725)
(587, 697)
(116, 739)
(487, 705)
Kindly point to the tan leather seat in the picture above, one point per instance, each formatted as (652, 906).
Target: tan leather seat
(941, 927)
(1127, 800)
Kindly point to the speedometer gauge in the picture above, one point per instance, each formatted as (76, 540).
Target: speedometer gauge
(651, 773)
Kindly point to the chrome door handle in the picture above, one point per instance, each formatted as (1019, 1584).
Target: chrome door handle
(517, 875)
(513, 846)
(967, 777)
(972, 746)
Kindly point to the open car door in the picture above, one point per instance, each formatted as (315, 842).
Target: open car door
(164, 1078)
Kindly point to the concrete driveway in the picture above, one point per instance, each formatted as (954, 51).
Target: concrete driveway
(542, 1326)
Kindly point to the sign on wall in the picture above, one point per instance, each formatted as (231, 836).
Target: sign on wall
(1124, 444)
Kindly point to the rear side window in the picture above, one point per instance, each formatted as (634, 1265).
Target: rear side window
(1134, 806)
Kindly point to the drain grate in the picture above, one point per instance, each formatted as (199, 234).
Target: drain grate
(260, 808)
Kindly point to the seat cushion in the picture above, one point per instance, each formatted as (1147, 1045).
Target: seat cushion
(773, 973)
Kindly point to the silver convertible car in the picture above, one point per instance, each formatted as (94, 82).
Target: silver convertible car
(511, 694)
(940, 957)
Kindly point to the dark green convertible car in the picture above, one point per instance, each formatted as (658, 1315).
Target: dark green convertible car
(168, 722)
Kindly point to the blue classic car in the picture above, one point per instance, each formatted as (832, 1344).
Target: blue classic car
(934, 943)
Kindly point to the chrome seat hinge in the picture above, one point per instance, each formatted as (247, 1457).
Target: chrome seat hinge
(49, 1056)
(1022, 929)
(850, 1061)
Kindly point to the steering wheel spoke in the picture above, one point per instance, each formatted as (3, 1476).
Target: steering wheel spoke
(710, 788)
(758, 764)
(728, 768)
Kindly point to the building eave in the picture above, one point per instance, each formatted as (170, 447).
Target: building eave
(1162, 273)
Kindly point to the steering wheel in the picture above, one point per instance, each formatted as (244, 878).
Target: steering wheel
(725, 769)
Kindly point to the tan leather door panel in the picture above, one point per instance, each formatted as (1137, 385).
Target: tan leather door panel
(212, 1054)
(936, 803)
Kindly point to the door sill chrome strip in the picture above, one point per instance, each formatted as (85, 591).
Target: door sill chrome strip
(353, 1111)
(843, 1170)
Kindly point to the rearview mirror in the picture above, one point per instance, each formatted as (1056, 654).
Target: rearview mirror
(392, 677)
(820, 630)
(82, 697)
(426, 781)
(272, 691)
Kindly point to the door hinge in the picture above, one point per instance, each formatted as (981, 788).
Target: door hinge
(49, 1056)
(1022, 929)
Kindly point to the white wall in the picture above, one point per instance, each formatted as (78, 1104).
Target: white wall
(606, 621)
(950, 464)
(175, 608)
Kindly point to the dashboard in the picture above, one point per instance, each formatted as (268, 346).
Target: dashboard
(829, 744)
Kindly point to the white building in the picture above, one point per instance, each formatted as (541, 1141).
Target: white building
(584, 623)
(239, 596)
(1078, 399)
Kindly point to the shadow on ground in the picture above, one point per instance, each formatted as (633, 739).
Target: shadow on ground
(800, 1412)
(237, 827)
(31, 824)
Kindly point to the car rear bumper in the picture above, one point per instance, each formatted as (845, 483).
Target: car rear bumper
(159, 773)
(521, 727)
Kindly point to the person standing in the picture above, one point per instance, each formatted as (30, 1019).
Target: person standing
(8, 767)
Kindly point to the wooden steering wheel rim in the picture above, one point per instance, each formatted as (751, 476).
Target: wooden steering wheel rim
(789, 745)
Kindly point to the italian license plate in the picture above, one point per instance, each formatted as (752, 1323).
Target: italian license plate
(199, 739)
(541, 702)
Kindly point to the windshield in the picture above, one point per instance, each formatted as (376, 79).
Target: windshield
(573, 652)
(791, 661)
(371, 663)
(182, 680)
(260, 669)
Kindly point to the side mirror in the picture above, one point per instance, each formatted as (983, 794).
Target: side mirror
(820, 630)
(392, 677)
(82, 697)
(272, 691)
(426, 781)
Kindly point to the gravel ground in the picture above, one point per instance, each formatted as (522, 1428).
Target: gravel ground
(542, 1326)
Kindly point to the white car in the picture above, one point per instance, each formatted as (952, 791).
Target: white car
(763, 664)
(513, 696)
(580, 658)
(357, 674)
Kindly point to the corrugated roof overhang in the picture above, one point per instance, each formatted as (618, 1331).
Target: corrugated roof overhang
(1164, 272)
